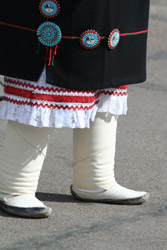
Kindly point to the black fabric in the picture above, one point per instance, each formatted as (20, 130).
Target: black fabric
(75, 67)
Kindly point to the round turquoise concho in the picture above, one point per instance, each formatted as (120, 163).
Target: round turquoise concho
(49, 34)
(90, 39)
(49, 8)
(114, 39)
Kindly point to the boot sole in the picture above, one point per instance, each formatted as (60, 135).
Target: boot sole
(134, 201)
(36, 212)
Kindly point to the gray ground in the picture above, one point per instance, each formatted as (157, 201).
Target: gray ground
(141, 162)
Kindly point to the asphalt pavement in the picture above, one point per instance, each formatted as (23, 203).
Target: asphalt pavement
(141, 163)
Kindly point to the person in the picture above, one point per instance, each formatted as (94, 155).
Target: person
(67, 64)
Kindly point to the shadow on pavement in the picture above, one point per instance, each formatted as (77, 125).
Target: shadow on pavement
(55, 197)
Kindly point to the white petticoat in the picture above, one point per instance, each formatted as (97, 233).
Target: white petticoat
(43, 105)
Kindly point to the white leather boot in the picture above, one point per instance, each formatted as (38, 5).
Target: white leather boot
(21, 162)
(93, 163)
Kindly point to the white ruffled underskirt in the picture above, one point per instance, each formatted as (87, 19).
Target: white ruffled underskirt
(43, 105)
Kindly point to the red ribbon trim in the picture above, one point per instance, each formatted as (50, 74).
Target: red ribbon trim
(73, 37)
(48, 105)
(57, 98)
(49, 89)
(17, 26)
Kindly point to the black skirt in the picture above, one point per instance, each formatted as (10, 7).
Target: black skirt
(103, 43)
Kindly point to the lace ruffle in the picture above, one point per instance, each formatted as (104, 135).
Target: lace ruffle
(43, 105)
